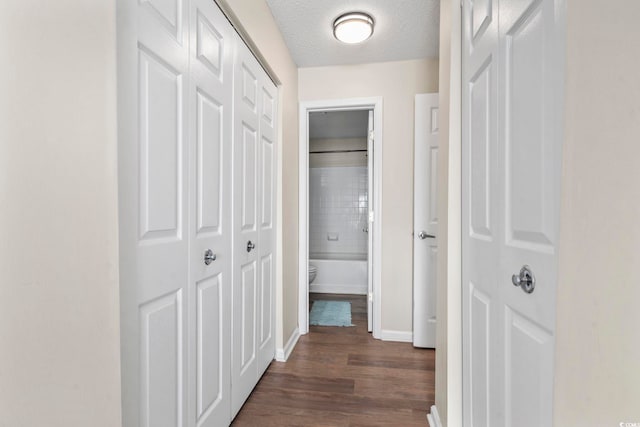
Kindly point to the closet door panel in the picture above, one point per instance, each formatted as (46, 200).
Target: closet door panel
(153, 78)
(266, 319)
(196, 117)
(210, 237)
(246, 244)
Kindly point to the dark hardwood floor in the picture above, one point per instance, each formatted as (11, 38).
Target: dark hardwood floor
(343, 377)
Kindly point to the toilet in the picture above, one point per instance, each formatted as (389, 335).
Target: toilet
(313, 270)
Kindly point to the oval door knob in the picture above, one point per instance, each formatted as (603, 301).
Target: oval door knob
(423, 235)
(525, 279)
(209, 256)
(250, 246)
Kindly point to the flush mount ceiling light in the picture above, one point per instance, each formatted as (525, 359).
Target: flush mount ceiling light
(353, 27)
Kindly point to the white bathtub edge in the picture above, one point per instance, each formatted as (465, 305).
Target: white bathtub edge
(397, 336)
(282, 354)
(337, 289)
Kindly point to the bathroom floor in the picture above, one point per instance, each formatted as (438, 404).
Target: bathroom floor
(341, 376)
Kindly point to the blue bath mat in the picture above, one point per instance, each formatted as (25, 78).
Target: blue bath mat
(330, 313)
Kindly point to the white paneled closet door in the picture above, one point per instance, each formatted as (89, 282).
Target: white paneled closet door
(266, 225)
(210, 237)
(513, 59)
(153, 103)
(179, 165)
(254, 238)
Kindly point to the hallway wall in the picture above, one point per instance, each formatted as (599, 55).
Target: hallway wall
(597, 381)
(59, 312)
(397, 82)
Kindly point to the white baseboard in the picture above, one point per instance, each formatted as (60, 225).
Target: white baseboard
(398, 336)
(282, 354)
(322, 288)
(434, 418)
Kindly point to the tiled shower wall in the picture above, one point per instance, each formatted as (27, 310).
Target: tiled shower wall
(338, 201)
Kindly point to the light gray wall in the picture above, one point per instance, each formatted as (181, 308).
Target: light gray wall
(597, 380)
(59, 315)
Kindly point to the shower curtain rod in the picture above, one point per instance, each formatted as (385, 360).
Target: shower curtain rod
(337, 151)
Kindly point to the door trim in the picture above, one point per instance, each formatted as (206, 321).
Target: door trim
(453, 301)
(235, 22)
(449, 328)
(375, 104)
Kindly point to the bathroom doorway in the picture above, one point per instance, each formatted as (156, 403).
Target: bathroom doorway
(340, 202)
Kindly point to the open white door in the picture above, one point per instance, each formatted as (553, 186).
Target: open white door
(512, 60)
(425, 220)
(370, 236)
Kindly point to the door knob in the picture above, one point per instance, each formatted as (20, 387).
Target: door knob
(526, 280)
(250, 246)
(423, 235)
(209, 256)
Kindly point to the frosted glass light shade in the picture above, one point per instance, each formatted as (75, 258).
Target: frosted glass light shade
(353, 27)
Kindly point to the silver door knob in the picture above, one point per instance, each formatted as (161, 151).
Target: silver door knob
(209, 256)
(423, 235)
(250, 246)
(525, 279)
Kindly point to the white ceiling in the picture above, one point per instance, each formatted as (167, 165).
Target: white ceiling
(404, 29)
(338, 124)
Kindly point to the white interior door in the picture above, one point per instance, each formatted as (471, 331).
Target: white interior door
(246, 147)
(153, 108)
(179, 218)
(512, 145)
(210, 127)
(370, 236)
(266, 225)
(254, 235)
(425, 220)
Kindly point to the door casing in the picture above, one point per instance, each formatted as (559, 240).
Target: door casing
(375, 104)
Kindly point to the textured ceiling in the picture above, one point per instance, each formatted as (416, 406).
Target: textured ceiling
(404, 29)
(338, 124)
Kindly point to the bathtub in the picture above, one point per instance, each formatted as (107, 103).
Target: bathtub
(339, 273)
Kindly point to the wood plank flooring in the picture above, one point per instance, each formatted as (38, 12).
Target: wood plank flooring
(342, 377)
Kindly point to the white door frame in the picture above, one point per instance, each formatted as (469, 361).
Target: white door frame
(375, 104)
(450, 299)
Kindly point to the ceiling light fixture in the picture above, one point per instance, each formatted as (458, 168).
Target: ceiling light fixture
(353, 27)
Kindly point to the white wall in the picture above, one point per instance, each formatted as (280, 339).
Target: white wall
(396, 83)
(597, 381)
(59, 315)
(256, 19)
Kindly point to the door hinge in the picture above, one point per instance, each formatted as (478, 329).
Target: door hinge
(370, 296)
(371, 216)
(371, 133)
